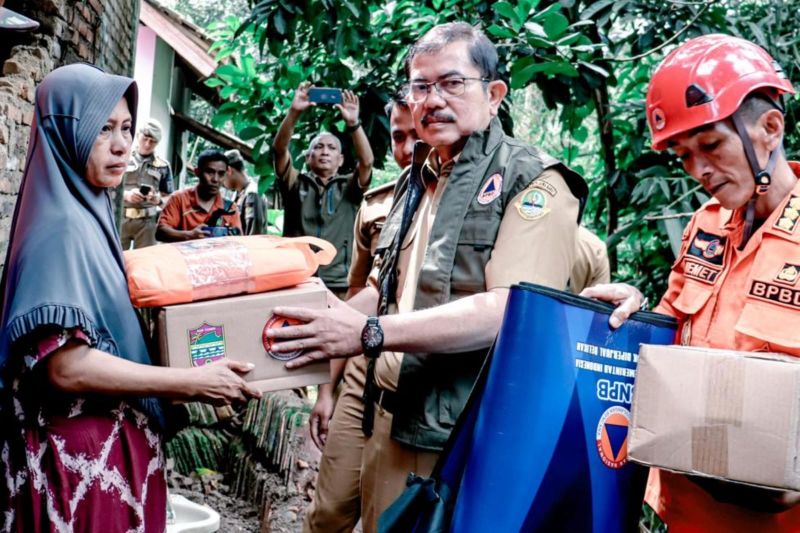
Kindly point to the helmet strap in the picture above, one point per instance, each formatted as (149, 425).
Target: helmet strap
(761, 176)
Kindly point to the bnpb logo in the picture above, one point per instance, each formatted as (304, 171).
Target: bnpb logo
(612, 437)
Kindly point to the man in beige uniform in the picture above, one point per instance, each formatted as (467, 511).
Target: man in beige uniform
(591, 262)
(493, 212)
(145, 189)
(337, 503)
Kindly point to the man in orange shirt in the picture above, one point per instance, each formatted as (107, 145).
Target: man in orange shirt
(715, 102)
(200, 211)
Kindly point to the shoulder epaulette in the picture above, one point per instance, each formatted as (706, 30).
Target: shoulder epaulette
(385, 188)
(159, 163)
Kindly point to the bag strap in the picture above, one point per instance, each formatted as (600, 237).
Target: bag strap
(325, 250)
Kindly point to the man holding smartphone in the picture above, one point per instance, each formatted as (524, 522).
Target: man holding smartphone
(321, 202)
(146, 188)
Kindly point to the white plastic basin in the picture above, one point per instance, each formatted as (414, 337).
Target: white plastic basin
(191, 517)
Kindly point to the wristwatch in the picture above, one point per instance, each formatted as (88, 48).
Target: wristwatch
(354, 127)
(372, 338)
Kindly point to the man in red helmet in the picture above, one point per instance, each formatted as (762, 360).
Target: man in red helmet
(715, 102)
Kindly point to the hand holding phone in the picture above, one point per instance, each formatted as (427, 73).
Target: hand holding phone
(349, 108)
(325, 95)
(145, 189)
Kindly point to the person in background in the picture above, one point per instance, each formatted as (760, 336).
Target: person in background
(715, 102)
(322, 202)
(201, 211)
(81, 440)
(247, 200)
(337, 503)
(146, 187)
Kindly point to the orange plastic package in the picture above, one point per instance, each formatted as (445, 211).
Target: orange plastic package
(168, 274)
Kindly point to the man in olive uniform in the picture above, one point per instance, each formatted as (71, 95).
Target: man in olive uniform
(323, 203)
(145, 189)
(491, 212)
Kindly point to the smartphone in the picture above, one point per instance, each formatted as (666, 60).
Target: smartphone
(325, 95)
(145, 189)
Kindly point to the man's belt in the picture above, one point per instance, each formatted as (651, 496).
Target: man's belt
(140, 212)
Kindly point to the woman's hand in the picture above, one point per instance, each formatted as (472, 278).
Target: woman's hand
(221, 383)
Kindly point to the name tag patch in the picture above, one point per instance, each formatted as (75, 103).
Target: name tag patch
(770, 292)
(491, 189)
(700, 272)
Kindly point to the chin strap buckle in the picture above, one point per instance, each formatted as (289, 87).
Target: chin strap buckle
(763, 180)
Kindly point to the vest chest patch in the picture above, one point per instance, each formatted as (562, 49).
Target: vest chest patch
(491, 189)
(788, 275)
(708, 248)
(705, 257)
(781, 295)
(154, 172)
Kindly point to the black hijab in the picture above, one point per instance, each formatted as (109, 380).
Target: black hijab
(64, 263)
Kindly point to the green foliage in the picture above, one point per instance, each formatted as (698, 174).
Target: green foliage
(589, 60)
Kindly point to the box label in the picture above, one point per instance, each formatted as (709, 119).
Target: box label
(206, 344)
(274, 322)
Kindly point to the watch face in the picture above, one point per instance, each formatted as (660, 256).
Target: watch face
(372, 337)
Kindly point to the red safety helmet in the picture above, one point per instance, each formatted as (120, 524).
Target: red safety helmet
(706, 79)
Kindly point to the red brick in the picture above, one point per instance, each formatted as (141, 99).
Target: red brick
(83, 51)
(97, 5)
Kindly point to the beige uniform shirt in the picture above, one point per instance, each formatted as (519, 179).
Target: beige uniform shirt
(591, 262)
(539, 248)
(369, 222)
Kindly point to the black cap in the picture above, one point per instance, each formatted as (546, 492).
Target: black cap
(11, 20)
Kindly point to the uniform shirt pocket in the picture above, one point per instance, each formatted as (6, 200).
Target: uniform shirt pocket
(473, 252)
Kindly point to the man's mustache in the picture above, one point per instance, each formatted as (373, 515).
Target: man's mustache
(437, 117)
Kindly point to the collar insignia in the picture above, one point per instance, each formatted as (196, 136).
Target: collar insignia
(790, 215)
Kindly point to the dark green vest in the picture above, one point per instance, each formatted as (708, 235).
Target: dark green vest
(433, 388)
(327, 212)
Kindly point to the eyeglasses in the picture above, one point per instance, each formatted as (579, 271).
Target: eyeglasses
(450, 87)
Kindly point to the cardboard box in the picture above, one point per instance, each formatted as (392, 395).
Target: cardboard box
(718, 413)
(197, 333)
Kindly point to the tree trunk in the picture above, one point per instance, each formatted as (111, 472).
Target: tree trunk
(601, 106)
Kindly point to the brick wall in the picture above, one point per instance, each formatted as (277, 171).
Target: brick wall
(94, 31)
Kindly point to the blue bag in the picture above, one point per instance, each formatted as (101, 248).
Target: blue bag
(542, 443)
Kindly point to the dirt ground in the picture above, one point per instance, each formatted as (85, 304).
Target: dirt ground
(284, 504)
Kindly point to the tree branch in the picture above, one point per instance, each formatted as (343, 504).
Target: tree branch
(706, 5)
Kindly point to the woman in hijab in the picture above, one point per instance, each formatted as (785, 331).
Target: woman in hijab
(80, 445)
